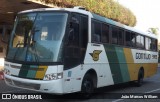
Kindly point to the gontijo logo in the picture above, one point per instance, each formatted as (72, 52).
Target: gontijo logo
(95, 54)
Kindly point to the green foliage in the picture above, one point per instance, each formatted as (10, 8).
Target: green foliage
(153, 30)
(106, 8)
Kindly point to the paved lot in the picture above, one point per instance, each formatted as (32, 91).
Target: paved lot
(151, 85)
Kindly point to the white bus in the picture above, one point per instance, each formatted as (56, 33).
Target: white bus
(66, 50)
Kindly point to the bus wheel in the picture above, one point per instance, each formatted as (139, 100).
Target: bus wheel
(140, 78)
(87, 87)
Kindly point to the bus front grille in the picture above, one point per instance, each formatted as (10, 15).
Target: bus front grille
(22, 84)
(26, 85)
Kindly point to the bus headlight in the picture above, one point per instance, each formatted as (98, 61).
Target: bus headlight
(53, 76)
(6, 71)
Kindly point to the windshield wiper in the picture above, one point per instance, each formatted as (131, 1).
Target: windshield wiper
(32, 41)
(34, 47)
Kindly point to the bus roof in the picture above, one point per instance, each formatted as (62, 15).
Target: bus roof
(57, 9)
(95, 16)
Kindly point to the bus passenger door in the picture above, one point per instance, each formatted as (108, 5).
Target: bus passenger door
(72, 48)
(75, 47)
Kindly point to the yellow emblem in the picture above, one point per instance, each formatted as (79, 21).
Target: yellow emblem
(95, 54)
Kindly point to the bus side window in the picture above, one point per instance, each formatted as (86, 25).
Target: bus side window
(140, 41)
(133, 39)
(148, 43)
(74, 32)
(154, 44)
(120, 37)
(127, 38)
(96, 31)
(105, 33)
(114, 35)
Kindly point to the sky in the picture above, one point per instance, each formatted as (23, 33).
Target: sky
(147, 13)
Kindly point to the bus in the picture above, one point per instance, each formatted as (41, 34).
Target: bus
(66, 50)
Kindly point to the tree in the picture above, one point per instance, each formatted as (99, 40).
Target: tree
(153, 30)
(107, 8)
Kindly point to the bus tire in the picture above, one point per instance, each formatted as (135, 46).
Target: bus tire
(87, 87)
(140, 78)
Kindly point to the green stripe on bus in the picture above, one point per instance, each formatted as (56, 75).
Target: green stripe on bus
(114, 63)
(122, 64)
(24, 71)
(32, 71)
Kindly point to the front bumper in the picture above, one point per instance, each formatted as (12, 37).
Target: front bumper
(52, 86)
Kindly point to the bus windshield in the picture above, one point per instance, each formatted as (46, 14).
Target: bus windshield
(37, 37)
